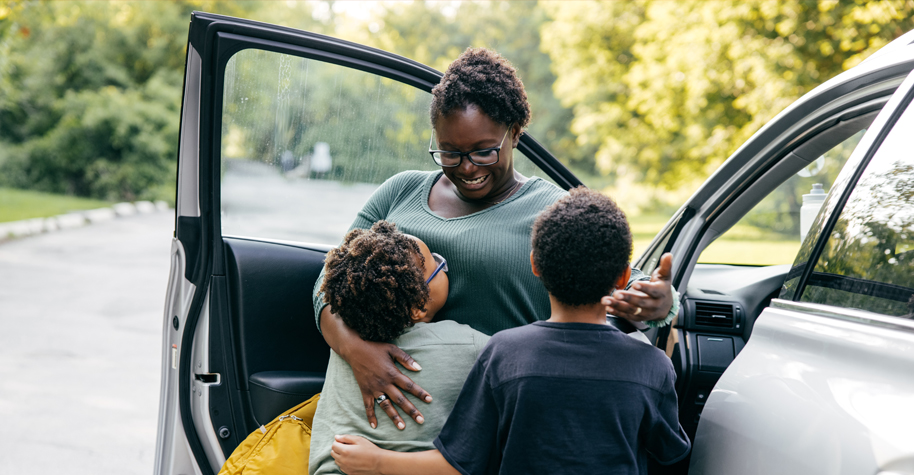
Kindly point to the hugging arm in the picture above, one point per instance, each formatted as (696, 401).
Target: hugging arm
(356, 456)
(373, 364)
(374, 367)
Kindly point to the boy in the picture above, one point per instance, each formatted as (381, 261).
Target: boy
(567, 395)
(388, 286)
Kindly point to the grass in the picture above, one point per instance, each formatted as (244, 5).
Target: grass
(25, 204)
(743, 244)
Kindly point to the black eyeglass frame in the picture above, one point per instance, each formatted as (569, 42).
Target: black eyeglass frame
(460, 155)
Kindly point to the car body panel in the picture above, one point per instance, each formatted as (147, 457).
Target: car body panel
(173, 453)
(816, 390)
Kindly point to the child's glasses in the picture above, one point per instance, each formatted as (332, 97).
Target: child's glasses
(442, 266)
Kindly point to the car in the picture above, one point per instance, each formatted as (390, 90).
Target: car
(285, 133)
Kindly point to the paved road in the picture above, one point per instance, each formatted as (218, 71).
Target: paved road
(81, 322)
(259, 202)
(81, 319)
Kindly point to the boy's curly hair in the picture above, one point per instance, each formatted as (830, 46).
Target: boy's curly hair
(484, 78)
(374, 280)
(581, 246)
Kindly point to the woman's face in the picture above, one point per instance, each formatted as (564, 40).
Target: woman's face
(469, 129)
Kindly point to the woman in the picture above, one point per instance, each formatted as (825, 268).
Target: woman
(477, 212)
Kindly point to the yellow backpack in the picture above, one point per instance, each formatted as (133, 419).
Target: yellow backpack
(281, 447)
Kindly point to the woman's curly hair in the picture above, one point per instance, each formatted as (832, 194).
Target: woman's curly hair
(374, 280)
(581, 246)
(482, 77)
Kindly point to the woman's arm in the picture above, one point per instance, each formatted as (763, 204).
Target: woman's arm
(374, 364)
(374, 367)
(356, 456)
(654, 297)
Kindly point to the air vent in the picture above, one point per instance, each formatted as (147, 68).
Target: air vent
(710, 314)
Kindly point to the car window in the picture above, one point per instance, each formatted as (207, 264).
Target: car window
(772, 231)
(305, 143)
(868, 260)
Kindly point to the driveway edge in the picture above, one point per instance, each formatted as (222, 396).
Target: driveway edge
(30, 227)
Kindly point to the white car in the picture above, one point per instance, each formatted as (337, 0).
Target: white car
(285, 133)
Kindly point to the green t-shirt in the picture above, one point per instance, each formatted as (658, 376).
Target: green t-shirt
(488, 252)
(446, 350)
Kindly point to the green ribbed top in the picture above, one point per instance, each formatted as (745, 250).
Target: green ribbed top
(488, 252)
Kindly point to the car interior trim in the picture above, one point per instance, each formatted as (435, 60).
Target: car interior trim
(201, 403)
(311, 246)
(187, 201)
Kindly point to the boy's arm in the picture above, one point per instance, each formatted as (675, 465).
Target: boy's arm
(662, 435)
(356, 455)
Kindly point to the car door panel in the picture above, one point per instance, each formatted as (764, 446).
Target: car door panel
(247, 348)
(280, 355)
(815, 391)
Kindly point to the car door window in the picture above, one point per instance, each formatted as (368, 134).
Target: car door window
(772, 231)
(305, 143)
(868, 260)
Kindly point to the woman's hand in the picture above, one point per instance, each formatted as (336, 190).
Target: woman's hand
(375, 370)
(645, 300)
(374, 367)
(355, 455)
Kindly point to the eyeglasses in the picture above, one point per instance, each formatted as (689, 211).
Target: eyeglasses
(480, 158)
(442, 266)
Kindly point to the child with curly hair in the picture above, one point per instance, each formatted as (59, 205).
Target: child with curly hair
(387, 286)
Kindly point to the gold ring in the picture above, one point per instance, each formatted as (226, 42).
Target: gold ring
(638, 311)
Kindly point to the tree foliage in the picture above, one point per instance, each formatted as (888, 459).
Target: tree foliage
(667, 90)
(435, 33)
(91, 96)
(650, 92)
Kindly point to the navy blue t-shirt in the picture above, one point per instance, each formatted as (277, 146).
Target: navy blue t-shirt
(565, 398)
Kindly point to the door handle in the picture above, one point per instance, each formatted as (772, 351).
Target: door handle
(214, 379)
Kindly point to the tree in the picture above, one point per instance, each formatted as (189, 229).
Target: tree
(668, 90)
(91, 96)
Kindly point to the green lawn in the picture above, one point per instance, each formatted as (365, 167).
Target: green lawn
(741, 245)
(24, 204)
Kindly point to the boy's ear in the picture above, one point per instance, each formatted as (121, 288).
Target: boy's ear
(419, 314)
(534, 269)
(623, 279)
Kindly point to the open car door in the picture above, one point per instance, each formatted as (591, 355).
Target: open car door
(284, 135)
(760, 187)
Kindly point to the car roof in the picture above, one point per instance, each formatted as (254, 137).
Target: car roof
(897, 46)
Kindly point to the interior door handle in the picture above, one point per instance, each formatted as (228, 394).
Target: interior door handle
(209, 378)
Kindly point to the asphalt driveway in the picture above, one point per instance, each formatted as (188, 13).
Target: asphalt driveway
(81, 317)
